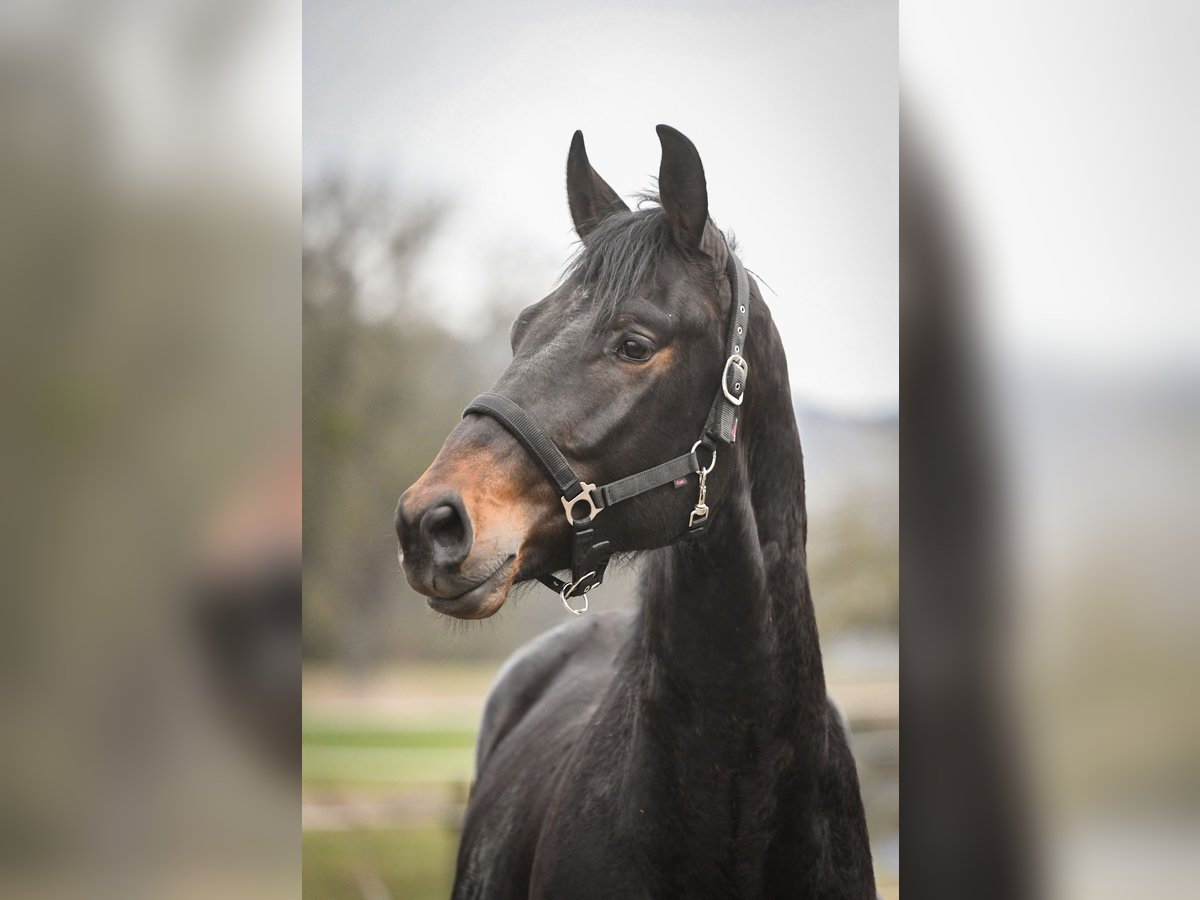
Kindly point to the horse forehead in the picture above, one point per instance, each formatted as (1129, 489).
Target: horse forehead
(676, 294)
(678, 303)
(553, 341)
(547, 320)
(690, 296)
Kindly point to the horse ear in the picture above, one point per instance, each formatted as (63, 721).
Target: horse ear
(682, 188)
(590, 197)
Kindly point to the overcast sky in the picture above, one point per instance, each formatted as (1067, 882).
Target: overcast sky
(793, 107)
(1065, 134)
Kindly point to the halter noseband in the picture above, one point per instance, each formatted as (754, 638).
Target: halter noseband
(583, 502)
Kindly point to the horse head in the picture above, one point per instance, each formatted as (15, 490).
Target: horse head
(617, 364)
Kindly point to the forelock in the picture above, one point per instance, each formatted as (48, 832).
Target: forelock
(619, 259)
(621, 256)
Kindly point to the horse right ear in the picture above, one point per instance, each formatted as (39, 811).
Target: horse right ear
(590, 197)
(682, 188)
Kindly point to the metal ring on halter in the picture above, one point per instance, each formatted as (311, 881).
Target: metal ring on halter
(712, 464)
(585, 496)
(569, 591)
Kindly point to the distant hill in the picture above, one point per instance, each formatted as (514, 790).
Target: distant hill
(847, 456)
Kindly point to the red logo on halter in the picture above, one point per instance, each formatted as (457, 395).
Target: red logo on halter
(733, 431)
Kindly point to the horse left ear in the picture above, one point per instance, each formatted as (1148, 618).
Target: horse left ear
(682, 188)
(589, 196)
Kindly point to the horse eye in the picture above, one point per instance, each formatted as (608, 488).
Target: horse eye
(635, 350)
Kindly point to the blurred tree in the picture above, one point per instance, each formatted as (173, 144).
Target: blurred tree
(385, 379)
(364, 403)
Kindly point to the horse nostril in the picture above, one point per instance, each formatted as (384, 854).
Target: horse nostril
(446, 530)
(443, 526)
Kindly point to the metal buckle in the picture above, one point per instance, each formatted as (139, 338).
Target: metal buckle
(736, 401)
(586, 496)
(569, 591)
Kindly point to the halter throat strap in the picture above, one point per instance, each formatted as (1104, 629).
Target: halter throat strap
(582, 501)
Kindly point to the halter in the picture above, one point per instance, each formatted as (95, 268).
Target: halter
(582, 502)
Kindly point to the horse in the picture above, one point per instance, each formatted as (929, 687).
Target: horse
(686, 748)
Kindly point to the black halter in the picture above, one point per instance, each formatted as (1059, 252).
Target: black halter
(583, 501)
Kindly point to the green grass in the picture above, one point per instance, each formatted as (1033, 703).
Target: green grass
(348, 756)
(410, 863)
(322, 735)
(385, 765)
(413, 861)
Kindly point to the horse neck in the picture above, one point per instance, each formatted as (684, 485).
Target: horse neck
(728, 628)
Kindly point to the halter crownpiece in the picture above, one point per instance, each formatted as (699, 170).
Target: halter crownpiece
(583, 502)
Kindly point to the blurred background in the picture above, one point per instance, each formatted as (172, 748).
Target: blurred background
(435, 141)
(150, 445)
(149, 449)
(1051, 392)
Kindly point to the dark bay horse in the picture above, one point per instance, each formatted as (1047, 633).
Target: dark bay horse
(686, 749)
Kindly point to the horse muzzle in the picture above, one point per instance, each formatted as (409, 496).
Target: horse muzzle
(462, 530)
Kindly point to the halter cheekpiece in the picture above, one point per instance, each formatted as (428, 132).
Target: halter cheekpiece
(582, 501)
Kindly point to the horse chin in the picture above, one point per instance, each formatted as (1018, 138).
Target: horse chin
(481, 601)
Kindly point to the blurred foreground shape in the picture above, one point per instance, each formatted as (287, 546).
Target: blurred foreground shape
(1051, 151)
(149, 337)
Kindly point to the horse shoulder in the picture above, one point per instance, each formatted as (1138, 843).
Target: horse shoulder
(578, 649)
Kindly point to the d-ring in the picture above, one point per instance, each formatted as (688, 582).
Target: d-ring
(569, 591)
(712, 463)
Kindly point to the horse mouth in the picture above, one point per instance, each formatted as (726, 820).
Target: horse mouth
(482, 600)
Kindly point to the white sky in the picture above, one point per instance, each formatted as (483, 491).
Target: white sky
(1069, 135)
(793, 107)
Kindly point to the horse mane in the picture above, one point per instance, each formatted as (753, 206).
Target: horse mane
(621, 255)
